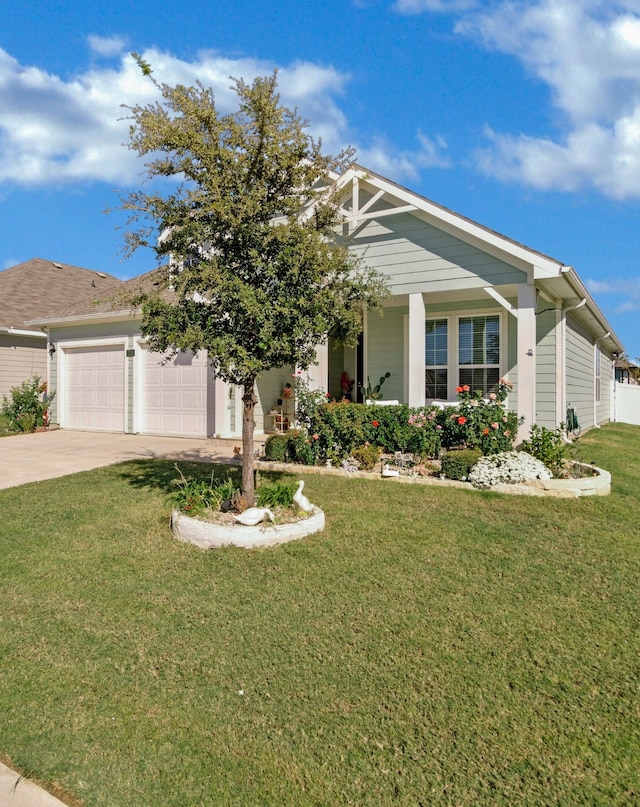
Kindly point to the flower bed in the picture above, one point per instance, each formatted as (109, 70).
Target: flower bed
(211, 535)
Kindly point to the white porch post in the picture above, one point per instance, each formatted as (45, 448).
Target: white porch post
(416, 376)
(318, 372)
(526, 358)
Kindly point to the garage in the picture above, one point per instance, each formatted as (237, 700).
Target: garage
(174, 398)
(95, 388)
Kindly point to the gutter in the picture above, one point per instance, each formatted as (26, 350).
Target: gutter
(582, 293)
(22, 332)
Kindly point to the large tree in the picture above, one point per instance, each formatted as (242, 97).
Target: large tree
(257, 272)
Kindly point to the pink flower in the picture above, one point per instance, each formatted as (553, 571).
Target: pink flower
(466, 388)
(316, 436)
(492, 396)
(494, 425)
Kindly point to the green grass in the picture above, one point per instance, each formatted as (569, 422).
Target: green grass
(431, 647)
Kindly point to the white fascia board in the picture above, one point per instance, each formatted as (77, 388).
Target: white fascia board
(103, 316)
(23, 332)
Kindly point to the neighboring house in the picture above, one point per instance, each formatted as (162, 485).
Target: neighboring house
(31, 290)
(626, 372)
(467, 306)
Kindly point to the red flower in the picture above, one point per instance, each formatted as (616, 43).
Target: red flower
(466, 388)
(462, 420)
(485, 431)
(375, 423)
(459, 389)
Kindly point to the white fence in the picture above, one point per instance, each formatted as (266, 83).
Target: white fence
(625, 403)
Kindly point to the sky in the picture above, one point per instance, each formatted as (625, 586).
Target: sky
(524, 116)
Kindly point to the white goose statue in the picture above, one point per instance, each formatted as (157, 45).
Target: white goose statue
(254, 515)
(300, 500)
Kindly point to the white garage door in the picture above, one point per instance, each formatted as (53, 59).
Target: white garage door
(95, 388)
(175, 395)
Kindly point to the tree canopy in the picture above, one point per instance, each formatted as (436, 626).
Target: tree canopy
(258, 273)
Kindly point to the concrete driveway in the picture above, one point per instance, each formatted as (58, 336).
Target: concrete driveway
(46, 455)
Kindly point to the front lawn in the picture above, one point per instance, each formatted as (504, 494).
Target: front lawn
(431, 647)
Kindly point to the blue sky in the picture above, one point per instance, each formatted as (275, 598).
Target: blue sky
(524, 116)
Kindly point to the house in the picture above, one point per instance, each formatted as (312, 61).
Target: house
(467, 306)
(30, 290)
(626, 372)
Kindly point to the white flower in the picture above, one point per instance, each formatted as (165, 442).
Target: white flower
(508, 466)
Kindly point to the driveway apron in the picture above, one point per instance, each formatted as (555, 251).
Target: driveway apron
(47, 455)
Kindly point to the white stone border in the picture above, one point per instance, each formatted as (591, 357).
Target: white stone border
(211, 536)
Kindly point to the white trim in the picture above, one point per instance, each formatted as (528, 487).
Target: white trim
(20, 332)
(561, 364)
(416, 380)
(492, 292)
(526, 357)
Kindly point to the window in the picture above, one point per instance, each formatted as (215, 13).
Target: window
(479, 352)
(436, 358)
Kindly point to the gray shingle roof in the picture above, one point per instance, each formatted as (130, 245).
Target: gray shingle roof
(33, 289)
(112, 300)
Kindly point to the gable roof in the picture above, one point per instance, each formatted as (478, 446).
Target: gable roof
(31, 289)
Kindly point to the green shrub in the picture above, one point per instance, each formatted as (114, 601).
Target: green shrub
(27, 405)
(280, 494)
(548, 446)
(275, 448)
(478, 422)
(194, 496)
(367, 456)
(336, 429)
(457, 464)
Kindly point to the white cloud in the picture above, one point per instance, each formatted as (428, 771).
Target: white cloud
(440, 6)
(628, 290)
(54, 131)
(382, 158)
(107, 46)
(588, 53)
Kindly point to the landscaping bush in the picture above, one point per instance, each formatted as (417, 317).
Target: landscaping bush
(27, 405)
(480, 423)
(275, 448)
(367, 456)
(548, 446)
(336, 429)
(457, 464)
(507, 466)
(280, 494)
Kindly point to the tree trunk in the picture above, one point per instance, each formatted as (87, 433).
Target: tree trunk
(248, 426)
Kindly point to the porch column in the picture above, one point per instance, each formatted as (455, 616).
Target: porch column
(318, 372)
(526, 354)
(416, 356)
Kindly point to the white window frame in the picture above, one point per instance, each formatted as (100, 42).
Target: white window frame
(446, 366)
(502, 347)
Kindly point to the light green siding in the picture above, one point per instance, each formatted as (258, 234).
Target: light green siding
(385, 352)
(603, 409)
(546, 370)
(415, 256)
(580, 372)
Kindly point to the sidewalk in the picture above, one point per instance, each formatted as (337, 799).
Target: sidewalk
(15, 791)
